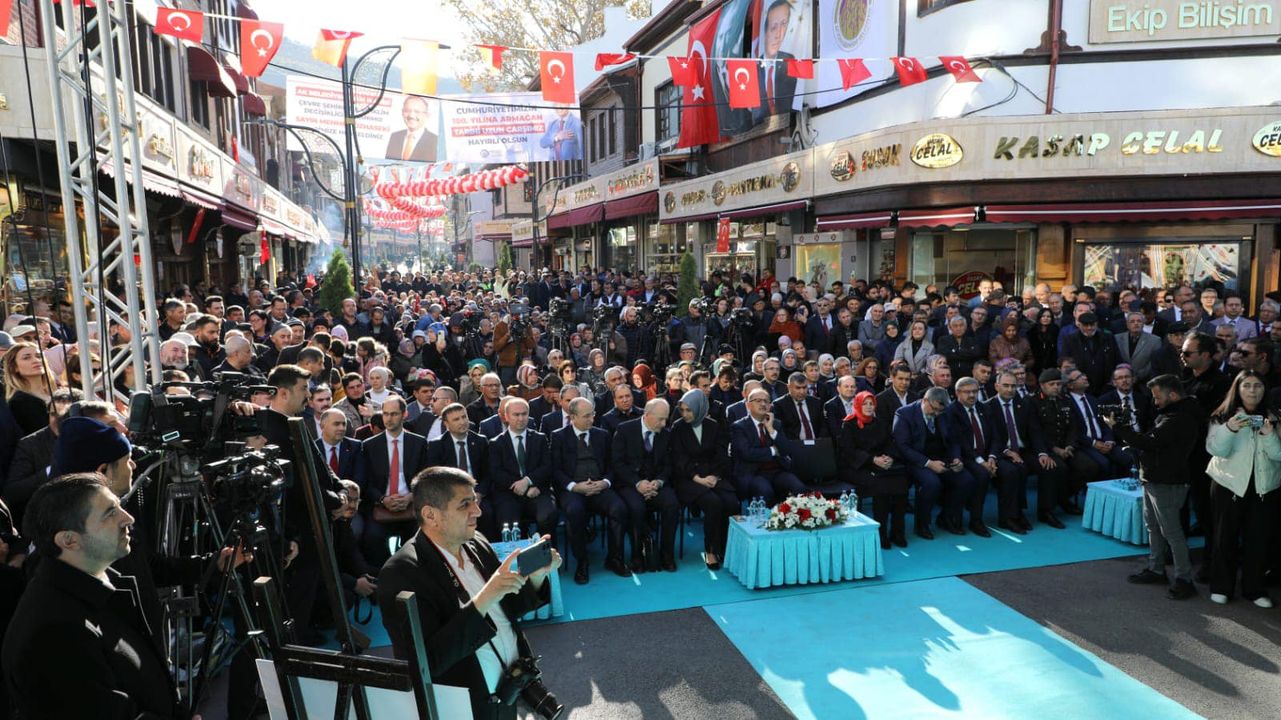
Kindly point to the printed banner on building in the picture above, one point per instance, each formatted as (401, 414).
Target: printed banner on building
(510, 128)
(853, 29)
(401, 128)
(773, 31)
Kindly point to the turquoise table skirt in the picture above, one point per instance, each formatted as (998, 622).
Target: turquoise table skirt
(556, 607)
(1116, 512)
(764, 558)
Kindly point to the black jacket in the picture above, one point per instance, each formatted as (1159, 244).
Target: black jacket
(632, 462)
(1164, 450)
(75, 649)
(452, 634)
(31, 461)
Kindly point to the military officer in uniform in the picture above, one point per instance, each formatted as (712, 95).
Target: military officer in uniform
(1072, 469)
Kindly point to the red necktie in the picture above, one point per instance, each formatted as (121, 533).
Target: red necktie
(805, 422)
(333, 459)
(764, 436)
(978, 431)
(769, 87)
(394, 480)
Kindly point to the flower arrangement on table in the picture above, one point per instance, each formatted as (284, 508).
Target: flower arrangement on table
(810, 511)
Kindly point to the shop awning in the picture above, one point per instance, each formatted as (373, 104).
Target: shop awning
(150, 180)
(643, 204)
(577, 216)
(238, 218)
(1135, 211)
(775, 209)
(937, 217)
(205, 67)
(246, 12)
(253, 104)
(275, 228)
(494, 237)
(238, 79)
(856, 221)
(523, 243)
(201, 199)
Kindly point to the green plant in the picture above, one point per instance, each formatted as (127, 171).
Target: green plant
(687, 287)
(336, 286)
(504, 258)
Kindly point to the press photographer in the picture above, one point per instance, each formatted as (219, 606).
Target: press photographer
(513, 341)
(467, 600)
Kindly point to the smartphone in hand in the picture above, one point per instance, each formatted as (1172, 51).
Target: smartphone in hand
(534, 558)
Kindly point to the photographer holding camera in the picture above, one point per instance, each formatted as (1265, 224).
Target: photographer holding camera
(467, 600)
(513, 341)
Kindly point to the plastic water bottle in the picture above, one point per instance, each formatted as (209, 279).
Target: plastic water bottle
(507, 532)
(845, 502)
(853, 508)
(516, 533)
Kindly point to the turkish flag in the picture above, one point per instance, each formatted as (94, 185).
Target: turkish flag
(744, 84)
(960, 68)
(800, 68)
(259, 42)
(684, 71)
(910, 70)
(186, 24)
(604, 60)
(722, 235)
(339, 35)
(6, 11)
(556, 73)
(331, 46)
(853, 72)
(698, 112)
(264, 250)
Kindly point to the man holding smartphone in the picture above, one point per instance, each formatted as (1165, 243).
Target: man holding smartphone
(467, 599)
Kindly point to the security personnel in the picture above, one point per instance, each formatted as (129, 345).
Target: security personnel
(1055, 415)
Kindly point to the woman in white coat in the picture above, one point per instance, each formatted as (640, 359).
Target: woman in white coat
(916, 348)
(1245, 465)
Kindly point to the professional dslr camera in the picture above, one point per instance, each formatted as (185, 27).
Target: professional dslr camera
(199, 421)
(657, 313)
(561, 311)
(743, 316)
(524, 680)
(1119, 414)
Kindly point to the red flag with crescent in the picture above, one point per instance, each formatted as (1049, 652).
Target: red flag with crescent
(188, 25)
(698, 108)
(556, 73)
(853, 72)
(684, 71)
(910, 70)
(960, 68)
(744, 84)
(259, 42)
(604, 60)
(6, 11)
(800, 68)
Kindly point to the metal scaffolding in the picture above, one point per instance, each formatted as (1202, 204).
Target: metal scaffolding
(90, 62)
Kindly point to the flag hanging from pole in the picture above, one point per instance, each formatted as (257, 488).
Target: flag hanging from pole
(604, 60)
(187, 25)
(698, 114)
(492, 55)
(960, 68)
(801, 69)
(556, 75)
(744, 84)
(853, 72)
(259, 42)
(684, 71)
(910, 70)
(331, 46)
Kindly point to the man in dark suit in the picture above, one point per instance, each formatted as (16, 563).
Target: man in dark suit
(581, 472)
(1020, 450)
(1094, 437)
(392, 458)
(933, 459)
(547, 402)
(737, 411)
(801, 415)
(429, 423)
(624, 409)
(841, 406)
(1133, 397)
(494, 425)
(605, 400)
(777, 87)
(468, 600)
(463, 448)
(342, 454)
(642, 466)
(485, 406)
(763, 453)
(76, 647)
(1094, 351)
(897, 393)
(970, 421)
(520, 464)
(415, 142)
(820, 326)
(960, 348)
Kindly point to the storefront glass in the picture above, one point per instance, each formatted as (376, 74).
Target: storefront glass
(963, 257)
(621, 247)
(820, 262)
(1142, 264)
(667, 243)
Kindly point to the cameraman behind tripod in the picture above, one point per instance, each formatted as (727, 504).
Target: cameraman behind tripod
(466, 601)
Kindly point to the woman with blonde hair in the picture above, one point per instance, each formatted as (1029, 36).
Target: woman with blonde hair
(28, 386)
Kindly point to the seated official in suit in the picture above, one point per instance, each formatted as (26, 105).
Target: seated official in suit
(344, 457)
(555, 420)
(429, 424)
(1135, 399)
(545, 403)
(1021, 450)
(422, 391)
(642, 465)
(494, 425)
(1094, 438)
(872, 463)
(897, 393)
(581, 472)
(737, 411)
(1136, 347)
(841, 406)
(933, 460)
(391, 459)
(973, 425)
(700, 473)
(468, 601)
(468, 451)
(762, 453)
(624, 409)
(800, 413)
(520, 465)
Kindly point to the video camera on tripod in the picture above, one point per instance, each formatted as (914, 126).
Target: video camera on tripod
(656, 314)
(561, 312)
(201, 420)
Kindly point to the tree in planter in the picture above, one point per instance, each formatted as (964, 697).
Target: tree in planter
(336, 286)
(504, 258)
(687, 287)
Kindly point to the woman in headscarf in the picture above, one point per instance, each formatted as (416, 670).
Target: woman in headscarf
(594, 373)
(700, 473)
(643, 379)
(469, 384)
(872, 462)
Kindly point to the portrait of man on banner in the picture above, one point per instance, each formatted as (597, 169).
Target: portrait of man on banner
(772, 31)
(415, 141)
(563, 137)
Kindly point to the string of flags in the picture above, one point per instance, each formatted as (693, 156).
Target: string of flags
(260, 40)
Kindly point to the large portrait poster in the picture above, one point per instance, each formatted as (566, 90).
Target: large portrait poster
(401, 128)
(853, 29)
(773, 31)
(510, 128)
(1165, 265)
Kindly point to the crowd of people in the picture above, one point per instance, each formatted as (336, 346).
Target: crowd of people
(568, 396)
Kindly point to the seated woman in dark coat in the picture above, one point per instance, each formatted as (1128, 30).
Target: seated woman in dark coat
(871, 461)
(700, 473)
